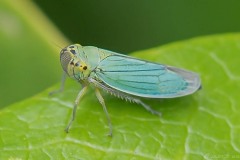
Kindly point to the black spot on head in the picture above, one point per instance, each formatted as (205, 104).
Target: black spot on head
(71, 46)
(77, 64)
(85, 67)
(73, 51)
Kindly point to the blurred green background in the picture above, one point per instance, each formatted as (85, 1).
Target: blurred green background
(30, 44)
(130, 25)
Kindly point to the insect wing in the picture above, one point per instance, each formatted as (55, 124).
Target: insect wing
(145, 79)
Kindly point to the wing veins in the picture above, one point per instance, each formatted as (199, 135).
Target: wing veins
(129, 70)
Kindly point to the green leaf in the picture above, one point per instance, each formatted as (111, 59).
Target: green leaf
(204, 125)
(28, 51)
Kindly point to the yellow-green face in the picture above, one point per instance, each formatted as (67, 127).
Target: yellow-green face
(72, 64)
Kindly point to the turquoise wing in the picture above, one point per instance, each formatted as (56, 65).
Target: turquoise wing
(145, 79)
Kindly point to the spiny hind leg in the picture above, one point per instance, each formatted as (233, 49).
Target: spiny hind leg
(147, 107)
(124, 96)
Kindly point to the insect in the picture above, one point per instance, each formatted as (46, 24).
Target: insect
(123, 76)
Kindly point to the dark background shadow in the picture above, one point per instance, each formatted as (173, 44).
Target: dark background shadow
(127, 25)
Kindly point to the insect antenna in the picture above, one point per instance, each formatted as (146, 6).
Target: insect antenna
(57, 45)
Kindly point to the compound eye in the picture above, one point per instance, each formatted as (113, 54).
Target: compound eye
(65, 58)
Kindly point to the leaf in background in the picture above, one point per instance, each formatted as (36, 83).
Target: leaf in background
(27, 51)
(204, 125)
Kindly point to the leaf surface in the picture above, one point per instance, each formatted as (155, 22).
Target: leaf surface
(204, 125)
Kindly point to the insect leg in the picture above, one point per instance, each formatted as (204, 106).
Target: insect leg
(64, 76)
(119, 94)
(147, 107)
(101, 100)
(79, 96)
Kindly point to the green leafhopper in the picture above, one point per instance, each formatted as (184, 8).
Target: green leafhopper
(123, 76)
